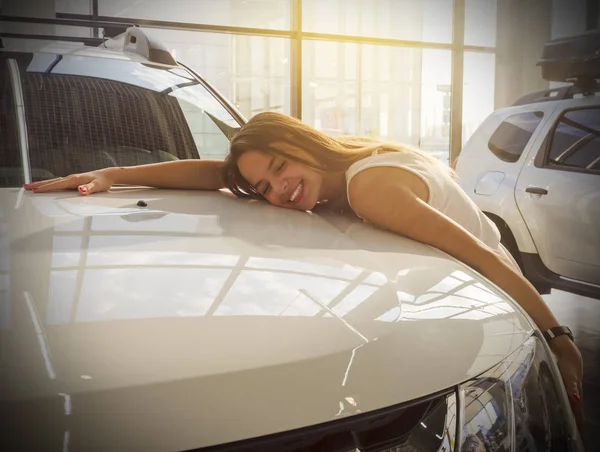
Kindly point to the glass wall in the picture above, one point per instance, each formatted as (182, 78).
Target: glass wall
(381, 68)
(267, 14)
(393, 93)
(481, 22)
(478, 90)
(330, 86)
(435, 102)
(425, 20)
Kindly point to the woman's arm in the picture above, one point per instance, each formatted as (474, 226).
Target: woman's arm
(180, 174)
(393, 199)
(382, 197)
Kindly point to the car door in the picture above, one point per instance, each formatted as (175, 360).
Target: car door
(558, 191)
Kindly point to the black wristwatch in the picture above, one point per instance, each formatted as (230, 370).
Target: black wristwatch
(558, 331)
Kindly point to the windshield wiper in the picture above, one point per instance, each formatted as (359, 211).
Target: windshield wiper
(170, 89)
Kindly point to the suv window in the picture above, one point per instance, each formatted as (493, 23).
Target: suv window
(511, 137)
(87, 113)
(575, 142)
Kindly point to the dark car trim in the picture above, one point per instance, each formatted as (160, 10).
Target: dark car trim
(304, 438)
(541, 159)
(537, 272)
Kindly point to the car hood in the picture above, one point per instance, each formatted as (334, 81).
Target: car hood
(202, 319)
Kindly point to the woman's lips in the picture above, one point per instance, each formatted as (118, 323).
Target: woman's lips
(298, 193)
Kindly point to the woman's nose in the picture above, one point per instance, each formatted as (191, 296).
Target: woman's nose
(281, 187)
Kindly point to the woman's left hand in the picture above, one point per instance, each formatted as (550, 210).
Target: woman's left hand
(570, 365)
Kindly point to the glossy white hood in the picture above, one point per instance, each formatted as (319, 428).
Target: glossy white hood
(202, 319)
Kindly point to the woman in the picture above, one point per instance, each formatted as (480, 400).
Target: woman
(280, 159)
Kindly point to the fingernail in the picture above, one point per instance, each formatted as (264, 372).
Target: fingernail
(576, 397)
(82, 189)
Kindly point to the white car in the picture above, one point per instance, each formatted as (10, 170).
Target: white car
(159, 320)
(534, 168)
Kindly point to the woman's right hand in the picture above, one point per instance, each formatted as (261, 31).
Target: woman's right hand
(85, 183)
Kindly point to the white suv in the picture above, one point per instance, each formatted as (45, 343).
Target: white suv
(534, 168)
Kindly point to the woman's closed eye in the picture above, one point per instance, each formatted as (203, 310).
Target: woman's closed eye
(267, 188)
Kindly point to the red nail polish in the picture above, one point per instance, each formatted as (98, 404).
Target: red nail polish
(83, 189)
(576, 397)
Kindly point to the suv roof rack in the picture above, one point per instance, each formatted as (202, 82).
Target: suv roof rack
(548, 95)
(126, 37)
(575, 59)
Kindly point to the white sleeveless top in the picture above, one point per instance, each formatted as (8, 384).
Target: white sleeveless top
(445, 195)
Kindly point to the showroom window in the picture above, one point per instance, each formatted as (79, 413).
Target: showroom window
(362, 67)
(386, 92)
(510, 138)
(481, 18)
(425, 20)
(267, 14)
(478, 91)
(576, 140)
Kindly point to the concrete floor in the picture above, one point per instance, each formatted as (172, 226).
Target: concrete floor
(583, 316)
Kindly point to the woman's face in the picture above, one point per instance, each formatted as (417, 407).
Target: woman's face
(284, 183)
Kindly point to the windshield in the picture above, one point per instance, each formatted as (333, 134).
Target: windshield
(65, 114)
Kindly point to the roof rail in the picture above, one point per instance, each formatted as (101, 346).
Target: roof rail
(113, 28)
(548, 95)
(126, 37)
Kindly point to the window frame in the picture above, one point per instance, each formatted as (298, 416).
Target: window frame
(13, 129)
(531, 138)
(543, 155)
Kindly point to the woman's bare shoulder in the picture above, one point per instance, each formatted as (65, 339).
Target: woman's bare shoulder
(385, 181)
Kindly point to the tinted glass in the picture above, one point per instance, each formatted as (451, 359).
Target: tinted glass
(510, 138)
(84, 114)
(576, 140)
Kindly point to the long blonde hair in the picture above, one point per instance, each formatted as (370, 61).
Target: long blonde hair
(332, 154)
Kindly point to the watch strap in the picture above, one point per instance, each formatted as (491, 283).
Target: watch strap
(551, 333)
